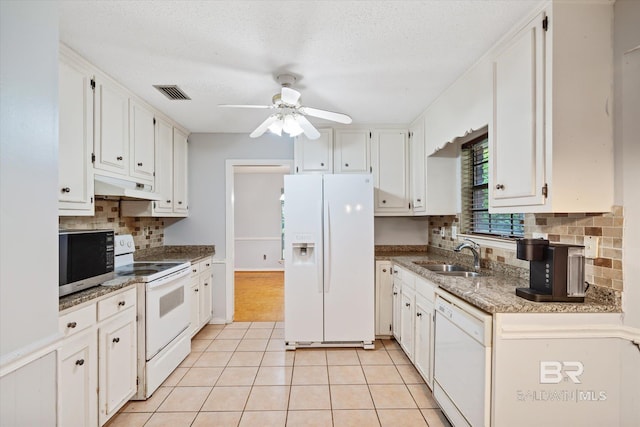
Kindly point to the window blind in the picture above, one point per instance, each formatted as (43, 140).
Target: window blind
(475, 216)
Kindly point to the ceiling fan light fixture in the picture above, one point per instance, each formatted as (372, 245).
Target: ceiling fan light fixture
(276, 127)
(291, 126)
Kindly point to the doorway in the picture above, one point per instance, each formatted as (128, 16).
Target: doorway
(255, 270)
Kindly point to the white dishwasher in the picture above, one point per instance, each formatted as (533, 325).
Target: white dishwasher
(462, 361)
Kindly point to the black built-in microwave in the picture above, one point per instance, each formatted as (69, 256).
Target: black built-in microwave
(85, 259)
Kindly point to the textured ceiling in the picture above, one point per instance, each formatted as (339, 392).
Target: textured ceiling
(378, 61)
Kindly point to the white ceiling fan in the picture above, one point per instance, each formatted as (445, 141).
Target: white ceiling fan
(290, 114)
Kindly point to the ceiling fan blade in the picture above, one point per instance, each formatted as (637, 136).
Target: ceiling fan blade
(327, 115)
(264, 126)
(289, 96)
(308, 129)
(244, 106)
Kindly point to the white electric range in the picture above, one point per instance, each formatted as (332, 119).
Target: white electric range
(163, 314)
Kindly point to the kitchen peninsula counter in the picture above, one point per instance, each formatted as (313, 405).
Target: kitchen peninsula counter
(495, 292)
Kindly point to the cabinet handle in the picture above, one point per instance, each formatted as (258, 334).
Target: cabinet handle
(197, 290)
(206, 284)
(168, 201)
(395, 293)
(116, 340)
(346, 165)
(119, 158)
(80, 362)
(499, 187)
(66, 190)
(321, 164)
(384, 201)
(419, 314)
(72, 325)
(384, 270)
(406, 304)
(207, 265)
(418, 200)
(122, 303)
(194, 270)
(140, 164)
(179, 203)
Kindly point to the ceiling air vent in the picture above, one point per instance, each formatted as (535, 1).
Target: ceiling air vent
(172, 92)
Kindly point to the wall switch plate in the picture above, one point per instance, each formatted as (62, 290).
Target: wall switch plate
(539, 235)
(591, 244)
(454, 232)
(443, 232)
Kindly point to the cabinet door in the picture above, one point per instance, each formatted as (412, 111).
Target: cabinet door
(418, 167)
(397, 310)
(164, 166)
(206, 303)
(389, 154)
(141, 142)
(111, 128)
(407, 321)
(195, 305)
(423, 348)
(180, 170)
(78, 380)
(517, 155)
(384, 298)
(351, 151)
(314, 155)
(117, 365)
(75, 174)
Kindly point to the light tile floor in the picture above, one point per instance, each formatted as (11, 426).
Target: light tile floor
(241, 375)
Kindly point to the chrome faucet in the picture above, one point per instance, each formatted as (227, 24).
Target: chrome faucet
(474, 248)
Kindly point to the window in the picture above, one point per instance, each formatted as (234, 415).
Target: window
(476, 218)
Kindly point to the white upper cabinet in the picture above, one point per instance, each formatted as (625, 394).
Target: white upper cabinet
(314, 155)
(141, 141)
(111, 128)
(351, 151)
(389, 158)
(418, 167)
(75, 174)
(180, 170)
(518, 132)
(551, 135)
(164, 165)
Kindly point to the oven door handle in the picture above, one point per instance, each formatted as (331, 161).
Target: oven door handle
(167, 280)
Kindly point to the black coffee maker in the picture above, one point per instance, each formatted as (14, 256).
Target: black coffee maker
(557, 271)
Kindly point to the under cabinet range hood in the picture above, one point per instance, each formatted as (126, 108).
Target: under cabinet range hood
(123, 189)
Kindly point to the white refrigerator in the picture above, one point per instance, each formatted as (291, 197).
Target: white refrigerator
(329, 261)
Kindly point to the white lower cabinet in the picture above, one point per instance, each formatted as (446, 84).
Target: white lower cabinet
(97, 359)
(413, 309)
(201, 294)
(117, 363)
(423, 345)
(384, 298)
(407, 316)
(78, 380)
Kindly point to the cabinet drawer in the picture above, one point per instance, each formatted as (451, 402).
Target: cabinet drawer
(195, 269)
(426, 289)
(78, 320)
(116, 304)
(405, 276)
(205, 264)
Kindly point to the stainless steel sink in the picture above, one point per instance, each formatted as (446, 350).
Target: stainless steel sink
(438, 268)
(460, 273)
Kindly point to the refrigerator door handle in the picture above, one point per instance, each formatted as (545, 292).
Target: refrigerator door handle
(327, 246)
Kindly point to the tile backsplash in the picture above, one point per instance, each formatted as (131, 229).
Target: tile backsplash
(605, 270)
(147, 232)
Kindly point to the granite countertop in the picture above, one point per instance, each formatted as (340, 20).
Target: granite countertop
(107, 287)
(175, 253)
(495, 292)
(163, 253)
